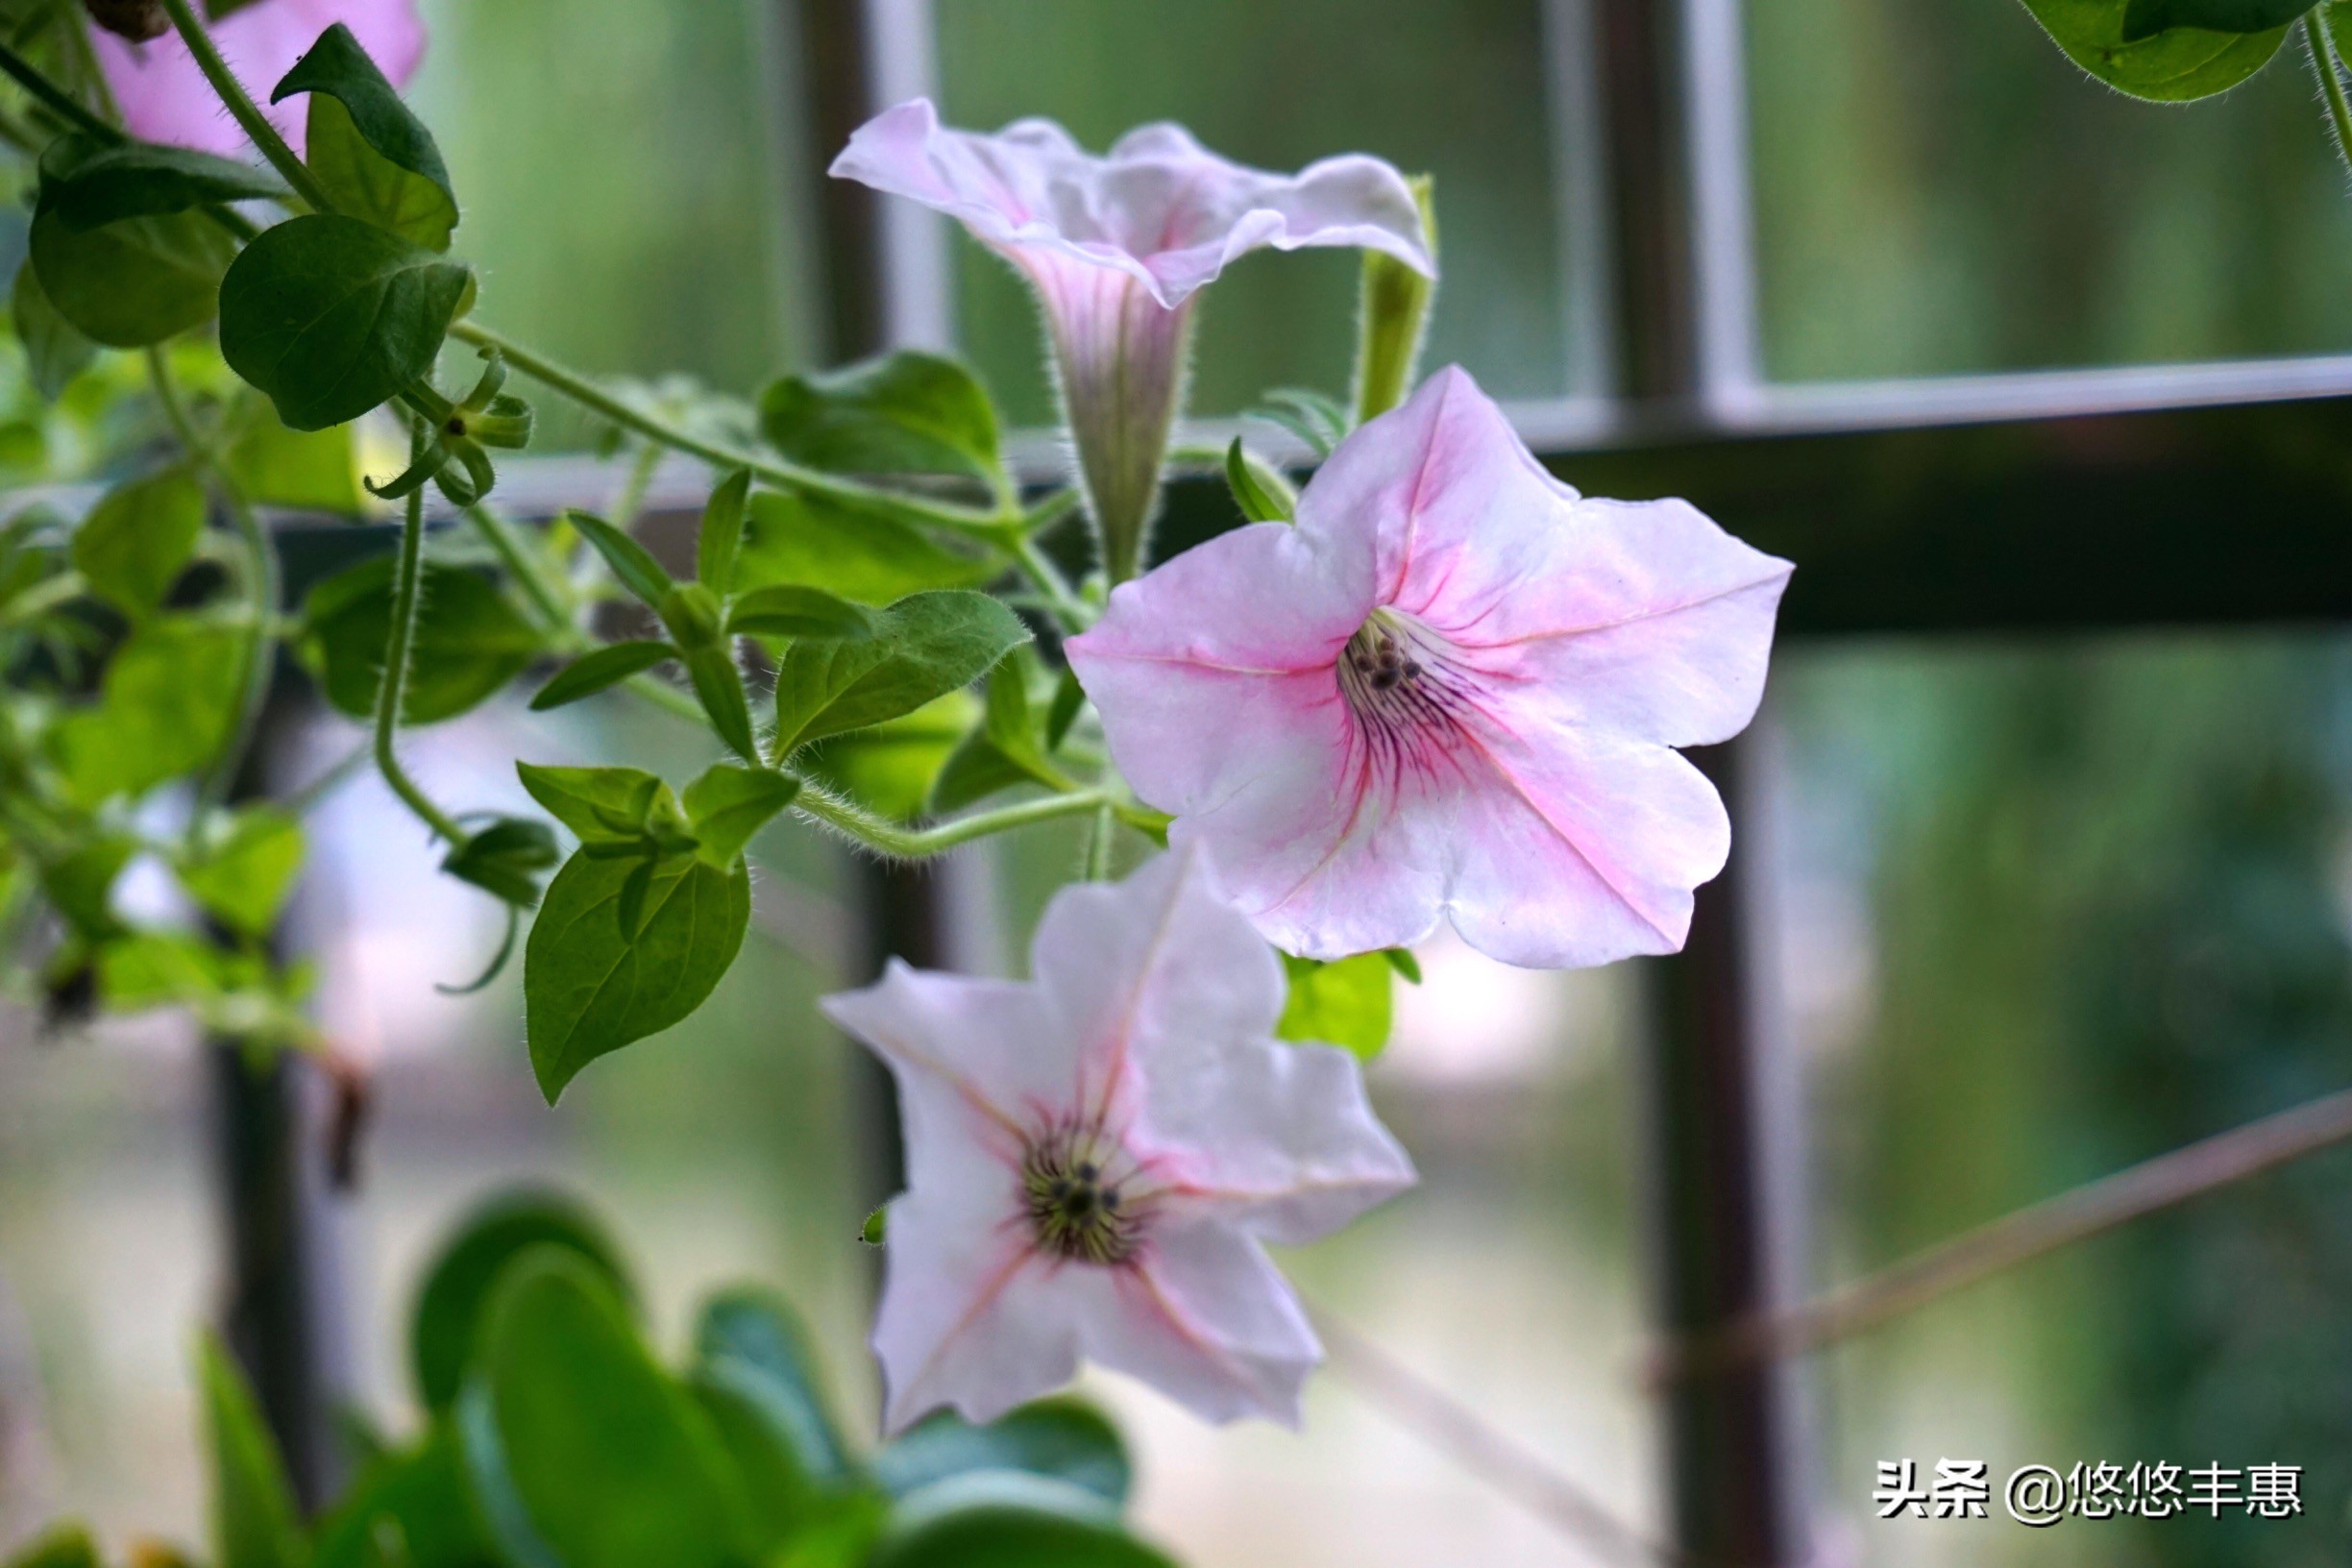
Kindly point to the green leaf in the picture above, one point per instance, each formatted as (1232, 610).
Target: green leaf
(631, 561)
(1402, 960)
(1258, 503)
(374, 159)
(56, 350)
(2172, 67)
(1005, 1519)
(606, 805)
(90, 183)
(470, 641)
(418, 1502)
(906, 413)
(787, 612)
(2144, 18)
(717, 683)
(254, 1522)
(615, 1464)
(66, 1546)
(1005, 750)
(876, 1228)
(924, 646)
(756, 1345)
(892, 768)
(164, 708)
(445, 1329)
(137, 540)
(242, 866)
(332, 315)
(592, 983)
(135, 283)
(158, 969)
(863, 554)
(1065, 1439)
(1068, 698)
(721, 537)
(504, 859)
(80, 884)
(311, 470)
(727, 804)
(1347, 1003)
(592, 673)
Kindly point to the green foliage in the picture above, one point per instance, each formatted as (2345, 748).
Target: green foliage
(135, 283)
(631, 561)
(1005, 1519)
(445, 1325)
(720, 539)
(1006, 747)
(783, 610)
(871, 556)
(254, 1520)
(2170, 67)
(164, 708)
(624, 947)
(605, 667)
(756, 1348)
(373, 156)
(331, 316)
(504, 859)
(312, 471)
(925, 645)
(133, 545)
(240, 864)
(1064, 1439)
(1348, 1003)
(892, 768)
(88, 184)
(2144, 18)
(613, 1463)
(470, 641)
(410, 1508)
(56, 350)
(68, 1546)
(1257, 500)
(607, 805)
(907, 412)
(727, 804)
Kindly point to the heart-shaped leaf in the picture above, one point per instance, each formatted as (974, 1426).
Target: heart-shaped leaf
(135, 282)
(372, 156)
(88, 183)
(2172, 67)
(446, 1328)
(923, 647)
(331, 316)
(133, 544)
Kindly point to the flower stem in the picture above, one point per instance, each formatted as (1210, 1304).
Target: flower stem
(2317, 37)
(1067, 608)
(855, 821)
(242, 109)
(392, 689)
(1098, 841)
(981, 525)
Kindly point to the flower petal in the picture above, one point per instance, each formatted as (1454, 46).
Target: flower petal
(165, 96)
(1154, 968)
(1159, 208)
(1206, 1318)
(977, 1062)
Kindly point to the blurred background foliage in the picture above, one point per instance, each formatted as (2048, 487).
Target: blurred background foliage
(2045, 908)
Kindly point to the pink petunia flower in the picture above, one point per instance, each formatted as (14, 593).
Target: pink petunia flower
(1095, 1158)
(1117, 248)
(1449, 690)
(166, 98)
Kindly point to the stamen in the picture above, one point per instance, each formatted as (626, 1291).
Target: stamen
(1406, 689)
(1084, 1195)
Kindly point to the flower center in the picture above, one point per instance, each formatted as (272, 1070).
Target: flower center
(1083, 1199)
(1400, 682)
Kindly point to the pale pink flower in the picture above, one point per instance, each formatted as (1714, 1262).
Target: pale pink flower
(166, 98)
(1117, 247)
(1095, 1156)
(1449, 690)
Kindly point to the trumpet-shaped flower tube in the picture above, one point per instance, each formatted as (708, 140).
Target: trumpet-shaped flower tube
(1452, 690)
(1095, 1156)
(1117, 247)
(165, 96)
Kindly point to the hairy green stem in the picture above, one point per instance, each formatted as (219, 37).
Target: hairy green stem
(914, 844)
(242, 109)
(580, 389)
(2323, 61)
(1074, 614)
(392, 689)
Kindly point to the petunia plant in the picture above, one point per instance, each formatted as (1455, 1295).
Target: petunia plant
(1435, 684)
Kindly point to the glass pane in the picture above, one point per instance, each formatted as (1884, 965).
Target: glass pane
(1938, 190)
(2050, 913)
(620, 172)
(1453, 88)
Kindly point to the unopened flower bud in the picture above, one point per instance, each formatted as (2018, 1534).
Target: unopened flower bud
(138, 20)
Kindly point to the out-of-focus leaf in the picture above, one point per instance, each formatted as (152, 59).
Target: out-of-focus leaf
(242, 865)
(906, 413)
(56, 350)
(615, 1464)
(1348, 1003)
(923, 647)
(126, 283)
(66, 1546)
(445, 1327)
(1006, 1519)
(1062, 1438)
(311, 470)
(758, 1345)
(254, 1521)
(865, 555)
(891, 768)
(137, 540)
(410, 1509)
(164, 708)
(609, 963)
(470, 641)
